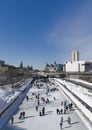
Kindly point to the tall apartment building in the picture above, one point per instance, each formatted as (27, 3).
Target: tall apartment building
(75, 56)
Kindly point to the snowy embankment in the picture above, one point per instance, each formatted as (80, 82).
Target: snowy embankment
(10, 101)
(86, 113)
(82, 81)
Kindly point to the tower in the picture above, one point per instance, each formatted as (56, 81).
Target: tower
(75, 55)
(21, 64)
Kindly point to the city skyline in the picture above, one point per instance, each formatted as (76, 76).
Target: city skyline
(40, 32)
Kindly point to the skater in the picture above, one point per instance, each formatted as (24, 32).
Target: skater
(36, 107)
(69, 120)
(57, 110)
(38, 102)
(23, 114)
(54, 98)
(38, 96)
(47, 101)
(43, 110)
(27, 98)
(61, 111)
(64, 111)
(62, 119)
(12, 120)
(61, 123)
(70, 106)
(40, 114)
(67, 107)
(62, 103)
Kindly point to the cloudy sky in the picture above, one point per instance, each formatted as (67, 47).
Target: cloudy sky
(40, 31)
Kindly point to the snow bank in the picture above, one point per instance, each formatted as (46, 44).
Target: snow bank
(10, 103)
(86, 113)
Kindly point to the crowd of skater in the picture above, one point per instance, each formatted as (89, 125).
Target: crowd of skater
(67, 107)
(39, 100)
(62, 120)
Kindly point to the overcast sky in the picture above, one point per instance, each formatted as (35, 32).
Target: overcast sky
(40, 31)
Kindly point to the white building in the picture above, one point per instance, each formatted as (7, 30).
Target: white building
(78, 66)
(75, 55)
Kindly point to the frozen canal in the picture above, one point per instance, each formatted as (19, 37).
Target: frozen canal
(50, 120)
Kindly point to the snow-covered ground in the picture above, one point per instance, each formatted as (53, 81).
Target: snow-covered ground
(82, 81)
(10, 99)
(50, 120)
(80, 92)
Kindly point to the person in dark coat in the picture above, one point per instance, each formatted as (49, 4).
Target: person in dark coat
(27, 98)
(57, 110)
(61, 123)
(12, 120)
(62, 119)
(64, 111)
(23, 114)
(43, 110)
(36, 107)
(61, 111)
(40, 114)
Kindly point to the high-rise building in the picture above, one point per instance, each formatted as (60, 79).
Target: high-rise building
(75, 56)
